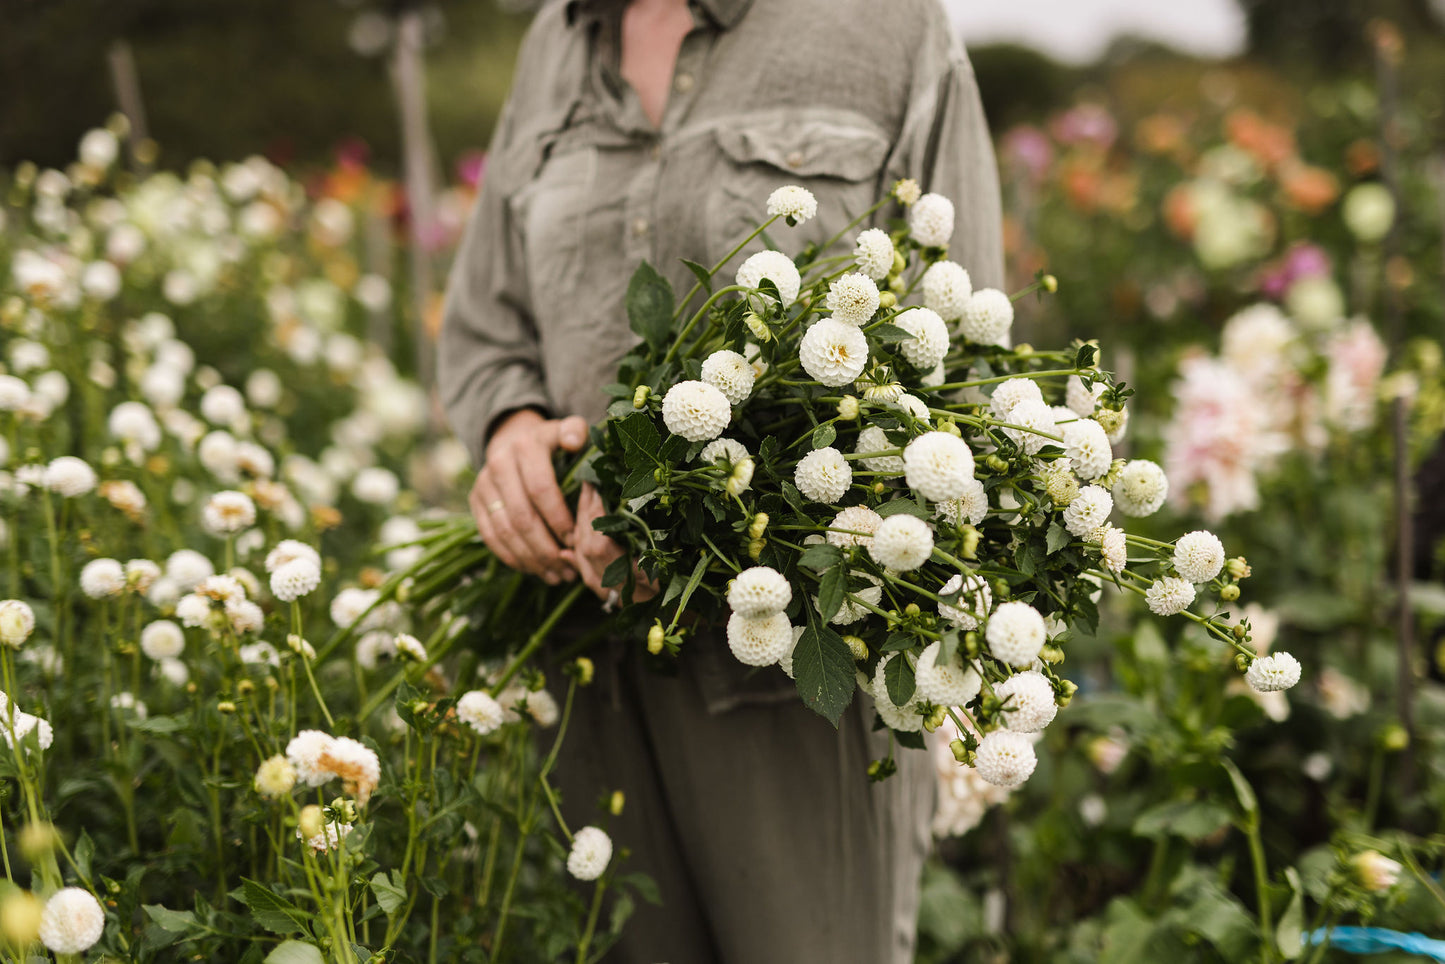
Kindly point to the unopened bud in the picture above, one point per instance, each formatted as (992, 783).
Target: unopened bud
(757, 326)
(961, 752)
(343, 809)
(38, 841)
(741, 478)
(898, 262)
(1241, 661)
(1111, 421)
(655, 637)
(1229, 593)
(759, 526)
(996, 462)
(948, 425)
(311, 822)
(1240, 633)
(970, 645)
(1394, 738)
(970, 537)
(20, 915)
(1067, 689)
(912, 609)
(896, 284)
(1050, 283)
(887, 299)
(639, 397)
(1051, 654)
(935, 718)
(857, 646)
(755, 548)
(1237, 568)
(848, 407)
(618, 801)
(585, 670)
(1375, 872)
(879, 488)
(225, 706)
(245, 687)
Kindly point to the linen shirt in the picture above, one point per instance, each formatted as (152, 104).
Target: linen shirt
(841, 96)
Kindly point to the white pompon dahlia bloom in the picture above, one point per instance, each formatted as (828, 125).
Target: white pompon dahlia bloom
(102, 578)
(1008, 394)
(950, 684)
(853, 298)
(858, 522)
(987, 317)
(1087, 446)
(17, 622)
(227, 513)
(188, 568)
(295, 579)
(834, 352)
(355, 763)
(696, 411)
(823, 475)
(1169, 596)
(162, 639)
(758, 592)
(795, 203)
(1005, 758)
(412, 648)
(590, 854)
(274, 777)
(762, 641)
(874, 439)
(973, 603)
(730, 373)
(1198, 556)
(971, 508)
(1272, 673)
(1036, 419)
(1028, 701)
(479, 710)
(1081, 400)
(1112, 547)
(931, 220)
(723, 448)
(777, 268)
(874, 253)
(1141, 489)
(288, 550)
(902, 542)
(69, 476)
(304, 751)
(946, 289)
(1015, 633)
(1088, 510)
(72, 921)
(929, 343)
(938, 466)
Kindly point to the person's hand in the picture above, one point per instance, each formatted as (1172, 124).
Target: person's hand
(519, 508)
(592, 552)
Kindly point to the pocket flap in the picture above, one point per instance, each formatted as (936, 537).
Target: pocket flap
(812, 147)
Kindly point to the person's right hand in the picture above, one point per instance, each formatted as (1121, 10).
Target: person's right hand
(520, 512)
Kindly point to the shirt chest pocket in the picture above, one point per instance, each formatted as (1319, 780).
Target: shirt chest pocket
(838, 156)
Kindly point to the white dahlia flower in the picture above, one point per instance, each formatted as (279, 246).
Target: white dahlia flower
(834, 352)
(72, 921)
(823, 475)
(1015, 633)
(227, 513)
(591, 851)
(1028, 701)
(759, 591)
(762, 641)
(409, 646)
(102, 578)
(874, 253)
(971, 508)
(795, 203)
(295, 579)
(479, 710)
(69, 476)
(351, 604)
(930, 337)
(730, 373)
(1272, 673)
(223, 406)
(1112, 548)
(134, 422)
(1141, 489)
(858, 523)
(1088, 510)
(696, 411)
(1036, 419)
(1080, 400)
(17, 622)
(1005, 758)
(375, 485)
(973, 603)
(931, 220)
(950, 684)
(987, 318)
(853, 298)
(777, 268)
(946, 289)
(1088, 448)
(193, 610)
(938, 466)
(245, 616)
(288, 550)
(355, 763)
(1008, 394)
(723, 448)
(1169, 596)
(188, 568)
(902, 542)
(853, 610)
(162, 639)
(304, 751)
(1198, 556)
(873, 439)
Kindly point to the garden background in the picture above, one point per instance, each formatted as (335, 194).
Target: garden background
(1170, 196)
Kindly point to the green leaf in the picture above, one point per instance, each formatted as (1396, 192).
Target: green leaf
(821, 556)
(889, 334)
(823, 669)
(617, 571)
(1242, 790)
(1085, 357)
(674, 449)
(294, 952)
(832, 592)
(158, 724)
(897, 642)
(1058, 537)
(639, 483)
(1190, 819)
(639, 438)
(84, 854)
(1289, 935)
(175, 921)
(389, 895)
(272, 911)
(898, 674)
(905, 506)
(824, 435)
(611, 524)
(649, 305)
(703, 277)
(693, 581)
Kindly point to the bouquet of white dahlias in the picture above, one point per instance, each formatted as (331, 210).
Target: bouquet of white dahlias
(881, 496)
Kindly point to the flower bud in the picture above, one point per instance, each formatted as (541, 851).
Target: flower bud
(1394, 738)
(961, 752)
(970, 537)
(1051, 654)
(1050, 283)
(1229, 593)
(655, 637)
(996, 462)
(585, 670)
(20, 915)
(225, 706)
(741, 478)
(1067, 689)
(759, 526)
(311, 822)
(1240, 633)
(755, 548)
(343, 810)
(616, 803)
(1241, 661)
(38, 841)
(1375, 872)
(1111, 420)
(887, 299)
(911, 609)
(757, 326)
(970, 645)
(898, 262)
(896, 284)
(245, 687)
(857, 646)
(848, 407)
(1237, 568)
(935, 718)
(639, 397)
(948, 425)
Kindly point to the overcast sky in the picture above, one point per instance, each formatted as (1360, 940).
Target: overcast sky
(1077, 31)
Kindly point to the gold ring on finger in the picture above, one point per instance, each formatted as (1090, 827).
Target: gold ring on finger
(496, 505)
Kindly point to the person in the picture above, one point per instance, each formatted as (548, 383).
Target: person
(655, 130)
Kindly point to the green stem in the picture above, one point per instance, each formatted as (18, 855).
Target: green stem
(537, 638)
(697, 286)
(592, 915)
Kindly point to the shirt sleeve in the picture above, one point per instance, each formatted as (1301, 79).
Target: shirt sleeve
(945, 146)
(489, 353)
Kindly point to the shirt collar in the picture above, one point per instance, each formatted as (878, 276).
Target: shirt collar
(725, 13)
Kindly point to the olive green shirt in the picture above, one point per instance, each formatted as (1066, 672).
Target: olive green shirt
(841, 96)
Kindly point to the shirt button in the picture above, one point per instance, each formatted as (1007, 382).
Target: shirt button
(682, 83)
(639, 226)
(794, 158)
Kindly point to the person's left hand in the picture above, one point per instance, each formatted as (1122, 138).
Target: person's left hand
(592, 551)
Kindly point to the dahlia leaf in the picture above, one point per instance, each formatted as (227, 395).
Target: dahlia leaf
(823, 668)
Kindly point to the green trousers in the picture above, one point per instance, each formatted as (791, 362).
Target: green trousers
(754, 816)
